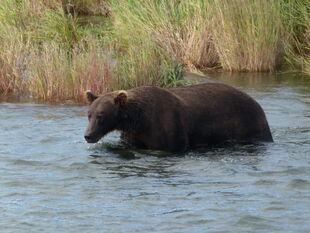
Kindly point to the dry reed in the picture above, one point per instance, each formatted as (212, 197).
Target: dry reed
(55, 77)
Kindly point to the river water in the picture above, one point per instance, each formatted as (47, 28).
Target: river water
(52, 181)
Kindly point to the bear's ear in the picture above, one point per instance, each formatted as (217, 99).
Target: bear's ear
(90, 96)
(121, 98)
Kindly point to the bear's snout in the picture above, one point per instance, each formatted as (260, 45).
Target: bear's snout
(90, 139)
(87, 137)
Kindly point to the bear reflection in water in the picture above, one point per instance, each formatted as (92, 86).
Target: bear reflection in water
(177, 119)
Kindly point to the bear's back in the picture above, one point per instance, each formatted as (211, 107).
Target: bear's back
(219, 106)
(216, 99)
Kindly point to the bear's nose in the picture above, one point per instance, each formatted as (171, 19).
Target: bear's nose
(87, 137)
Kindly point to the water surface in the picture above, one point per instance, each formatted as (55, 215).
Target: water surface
(52, 181)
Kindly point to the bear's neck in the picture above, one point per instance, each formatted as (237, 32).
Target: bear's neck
(131, 118)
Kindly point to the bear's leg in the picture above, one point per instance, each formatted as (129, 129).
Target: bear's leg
(173, 141)
(178, 141)
(132, 140)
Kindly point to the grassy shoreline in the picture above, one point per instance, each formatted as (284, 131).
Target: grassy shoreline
(57, 49)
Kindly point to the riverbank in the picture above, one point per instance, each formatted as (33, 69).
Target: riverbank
(55, 50)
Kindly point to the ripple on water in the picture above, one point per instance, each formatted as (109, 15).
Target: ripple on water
(254, 223)
(285, 172)
(265, 182)
(23, 162)
(299, 184)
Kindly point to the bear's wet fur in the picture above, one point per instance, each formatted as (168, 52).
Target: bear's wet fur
(177, 119)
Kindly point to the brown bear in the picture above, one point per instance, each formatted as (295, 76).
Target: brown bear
(177, 119)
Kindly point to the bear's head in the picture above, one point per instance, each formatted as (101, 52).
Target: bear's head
(103, 114)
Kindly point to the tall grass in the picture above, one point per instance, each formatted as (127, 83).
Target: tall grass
(296, 14)
(86, 7)
(248, 35)
(178, 28)
(55, 77)
(56, 49)
(13, 47)
(240, 35)
(12, 69)
(48, 54)
(145, 65)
